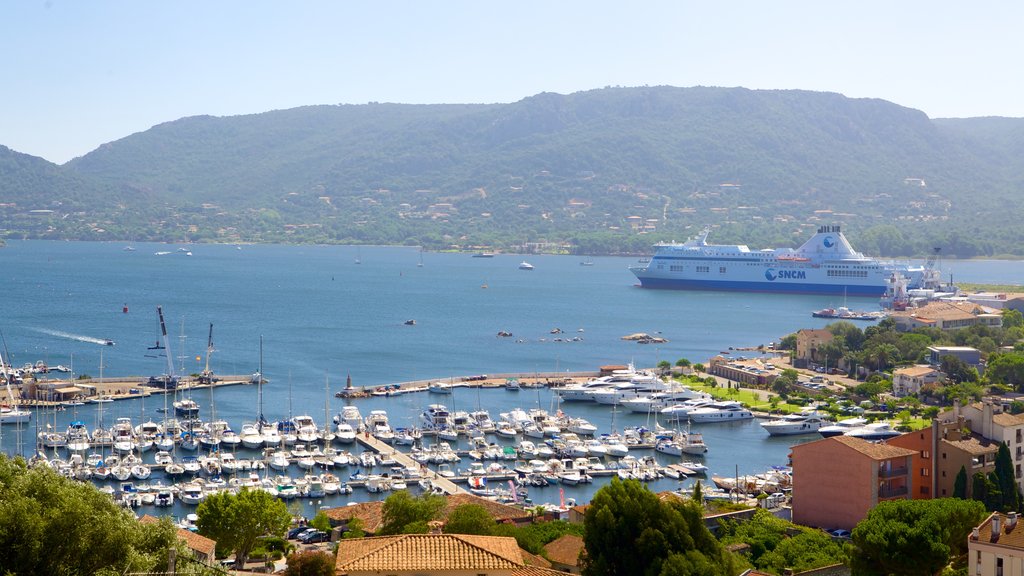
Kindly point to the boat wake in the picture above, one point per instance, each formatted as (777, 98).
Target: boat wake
(78, 337)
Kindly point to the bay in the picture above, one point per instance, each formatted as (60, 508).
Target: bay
(323, 317)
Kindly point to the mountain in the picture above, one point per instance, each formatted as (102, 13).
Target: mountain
(601, 171)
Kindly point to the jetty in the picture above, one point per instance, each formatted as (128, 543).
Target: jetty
(371, 442)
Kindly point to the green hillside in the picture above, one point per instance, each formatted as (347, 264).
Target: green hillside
(602, 171)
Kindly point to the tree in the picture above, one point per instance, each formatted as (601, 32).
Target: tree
(1007, 368)
(960, 484)
(913, 537)
(321, 521)
(403, 513)
(470, 519)
(237, 521)
(628, 530)
(1005, 479)
(310, 563)
(957, 370)
(682, 362)
(52, 525)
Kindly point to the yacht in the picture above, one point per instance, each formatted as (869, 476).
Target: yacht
(578, 392)
(344, 433)
(377, 424)
(842, 427)
(524, 265)
(658, 400)
(802, 423)
(720, 412)
(874, 431)
(435, 417)
(350, 415)
(306, 430)
(682, 411)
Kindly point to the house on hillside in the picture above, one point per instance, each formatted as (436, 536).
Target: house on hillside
(947, 316)
(564, 553)
(203, 548)
(808, 346)
(370, 514)
(908, 381)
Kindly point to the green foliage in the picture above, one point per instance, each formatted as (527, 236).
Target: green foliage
(1013, 318)
(321, 522)
(913, 537)
(533, 537)
(960, 484)
(957, 370)
(628, 530)
(310, 563)
(355, 529)
(1005, 479)
(237, 521)
(52, 525)
(470, 519)
(404, 513)
(776, 544)
(1007, 367)
(682, 362)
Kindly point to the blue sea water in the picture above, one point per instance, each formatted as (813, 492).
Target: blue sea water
(323, 316)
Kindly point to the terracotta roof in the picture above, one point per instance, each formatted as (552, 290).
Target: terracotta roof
(497, 510)
(914, 371)
(565, 549)
(1008, 537)
(818, 332)
(974, 446)
(1007, 419)
(200, 544)
(534, 560)
(873, 450)
(428, 553)
(537, 571)
(369, 513)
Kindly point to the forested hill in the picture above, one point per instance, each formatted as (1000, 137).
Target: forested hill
(602, 171)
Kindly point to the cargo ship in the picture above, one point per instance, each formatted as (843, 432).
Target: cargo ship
(825, 264)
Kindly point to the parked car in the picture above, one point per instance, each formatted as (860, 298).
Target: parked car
(295, 533)
(840, 533)
(314, 537)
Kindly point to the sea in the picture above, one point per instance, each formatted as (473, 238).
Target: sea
(327, 313)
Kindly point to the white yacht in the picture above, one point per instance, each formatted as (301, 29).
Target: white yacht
(377, 424)
(350, 415)
(720, 412)
(578, 392)
(874, 431)
(658, 400)
(802, 423)
(682, 410)
(344, 433)
(306, 430)
(842, 427)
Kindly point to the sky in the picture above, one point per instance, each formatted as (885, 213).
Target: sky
(77, 74)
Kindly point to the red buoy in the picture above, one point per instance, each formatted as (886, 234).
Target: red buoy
(125, 309)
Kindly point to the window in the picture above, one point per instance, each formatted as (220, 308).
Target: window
(925, 454)
(704, 269)
(943, 475)
(925, 472)
(721, 269)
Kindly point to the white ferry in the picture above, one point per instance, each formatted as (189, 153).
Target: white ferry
(824, 264)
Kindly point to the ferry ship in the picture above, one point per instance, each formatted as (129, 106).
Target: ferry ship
(825, 264)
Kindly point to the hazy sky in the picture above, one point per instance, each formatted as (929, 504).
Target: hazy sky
(78, 73)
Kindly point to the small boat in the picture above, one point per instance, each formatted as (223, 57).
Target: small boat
(483, 255)
(587, 263)
(410, 322)
(108, 342)
(524, 265)
(844, 313)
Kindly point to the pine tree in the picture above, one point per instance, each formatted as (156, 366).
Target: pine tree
(1005, 478)
(960, 484)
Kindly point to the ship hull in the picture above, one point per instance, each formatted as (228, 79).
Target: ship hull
(851, 290)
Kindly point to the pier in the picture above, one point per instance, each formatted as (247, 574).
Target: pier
(371, 442)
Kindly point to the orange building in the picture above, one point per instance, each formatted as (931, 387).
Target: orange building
(837, 480)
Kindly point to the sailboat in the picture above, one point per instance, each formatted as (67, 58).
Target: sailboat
(10, 413)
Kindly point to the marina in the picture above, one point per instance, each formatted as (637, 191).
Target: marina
(318, 330)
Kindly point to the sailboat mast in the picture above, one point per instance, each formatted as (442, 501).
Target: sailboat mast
(209, 350)
(166, 343)
(259, 384)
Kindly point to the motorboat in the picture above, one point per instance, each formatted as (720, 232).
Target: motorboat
(658, 400)
(682, 411)
(842, 427)
(803, 423)
(874, 431)
(344, 433)
(720, 412)
(524, 265)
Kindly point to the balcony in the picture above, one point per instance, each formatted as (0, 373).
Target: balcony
(895, 492)
(891, 472)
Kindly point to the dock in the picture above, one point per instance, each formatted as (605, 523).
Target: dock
(371, 442)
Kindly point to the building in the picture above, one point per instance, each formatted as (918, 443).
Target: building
(564, 553)
(999, 300)
(946, 316)
(808, 346)
(429, 554)
(837, 480)
(908, 381)
(965, 354)
(996, 546)
(370, 514)
(988, 419)
(750, 372)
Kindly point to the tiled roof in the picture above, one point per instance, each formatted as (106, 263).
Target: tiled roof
(816, 332)
(914, 371)
(428, 553)
(194, 541)
(873, 450)
(1007, 419)
(974, 446)
(369, 513)
(565, 549)
(497, 510)
(534, 560)
(537, 571)
(1008, 537)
